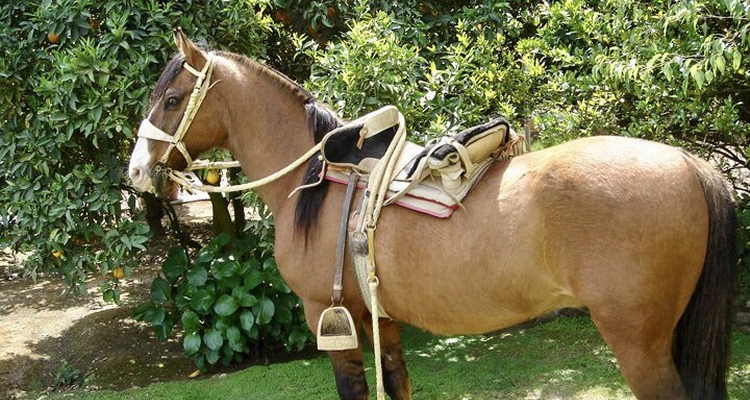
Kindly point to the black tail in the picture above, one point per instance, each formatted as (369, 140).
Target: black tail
(703, 334)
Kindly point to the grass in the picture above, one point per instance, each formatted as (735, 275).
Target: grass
(562, 359)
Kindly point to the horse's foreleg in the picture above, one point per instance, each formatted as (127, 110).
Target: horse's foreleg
(395, 377)
(350, 374)
(347, 364)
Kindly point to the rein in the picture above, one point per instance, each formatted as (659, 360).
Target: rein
(147, 130)
(184, 180)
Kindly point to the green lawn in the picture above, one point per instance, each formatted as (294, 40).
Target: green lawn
(562, 359)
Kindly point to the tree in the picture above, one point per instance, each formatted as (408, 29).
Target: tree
(75, 81)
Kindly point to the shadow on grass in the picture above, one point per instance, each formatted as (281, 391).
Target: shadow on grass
(563, 358)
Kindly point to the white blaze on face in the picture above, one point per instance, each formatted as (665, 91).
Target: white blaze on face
(139, 169)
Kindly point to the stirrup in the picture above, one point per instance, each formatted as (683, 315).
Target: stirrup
(336, 330)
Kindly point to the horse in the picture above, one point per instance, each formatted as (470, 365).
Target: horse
(639, 233)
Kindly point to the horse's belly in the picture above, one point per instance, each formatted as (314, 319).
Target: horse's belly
(475, 317)
(472, 283)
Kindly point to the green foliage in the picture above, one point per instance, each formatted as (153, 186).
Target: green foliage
(68, 376)
(74, 81)
(369, 69)
(672, 72)
(230, 301)
(440, 83)
(675, 72)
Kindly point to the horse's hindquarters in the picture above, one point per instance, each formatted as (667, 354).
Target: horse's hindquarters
(625, 220)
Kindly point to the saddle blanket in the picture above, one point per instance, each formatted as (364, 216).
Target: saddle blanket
(422, 197)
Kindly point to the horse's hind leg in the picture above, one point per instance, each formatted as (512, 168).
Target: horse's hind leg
(395, 377)
(644, 354)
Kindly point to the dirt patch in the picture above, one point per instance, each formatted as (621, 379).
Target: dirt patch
(46, 333)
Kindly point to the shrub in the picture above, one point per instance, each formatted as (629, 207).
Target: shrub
(231, 300)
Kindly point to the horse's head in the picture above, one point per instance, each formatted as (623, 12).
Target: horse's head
(179, 125)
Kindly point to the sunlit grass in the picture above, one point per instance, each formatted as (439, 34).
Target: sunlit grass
(563, 359)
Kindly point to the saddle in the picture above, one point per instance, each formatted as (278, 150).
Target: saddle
(372, 152)
(433, 179)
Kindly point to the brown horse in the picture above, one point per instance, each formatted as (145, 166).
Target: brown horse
(640, 233)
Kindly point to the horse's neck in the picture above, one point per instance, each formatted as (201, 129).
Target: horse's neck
(268, 132)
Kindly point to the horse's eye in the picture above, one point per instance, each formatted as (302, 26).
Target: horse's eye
(171, 102)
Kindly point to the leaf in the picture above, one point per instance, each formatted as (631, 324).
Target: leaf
(225, 305)
(161, 291)
(283, 315)
(243, 298)
(222, 240)
(264, 311)
(253, 279)
(234, 336)
(269, 264)
(697, 73)
(142, 312)
(736, 59)
(174, 265)
(247, 300)
(108, 295)
(212, 339)
(190, 321)
(163, 329)
(667, 71)
(212, 356)
(202, 301)
(191, 343)
(720, 63)
(197, 276)
(247, 320)
(155, 315)
(224, 270)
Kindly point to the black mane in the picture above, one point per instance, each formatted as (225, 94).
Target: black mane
(321, 121)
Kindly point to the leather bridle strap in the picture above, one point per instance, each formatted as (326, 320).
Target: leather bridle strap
(338, 277)
(202, 86)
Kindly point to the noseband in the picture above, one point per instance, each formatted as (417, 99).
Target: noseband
(202, 86)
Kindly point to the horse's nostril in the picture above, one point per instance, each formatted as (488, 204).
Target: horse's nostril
(135, 174)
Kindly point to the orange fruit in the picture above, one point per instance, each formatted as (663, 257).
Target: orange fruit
(118, 273)
(53, 38)
(212, 176)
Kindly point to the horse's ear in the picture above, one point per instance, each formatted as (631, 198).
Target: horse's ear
(193, 55)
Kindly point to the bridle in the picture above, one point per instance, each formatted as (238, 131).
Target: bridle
(202, 86)
(147, 130)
